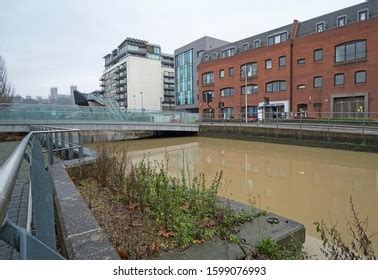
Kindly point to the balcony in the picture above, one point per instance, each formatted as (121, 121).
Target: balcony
(167, 61)
(169, 81)
(172, 87)
(102, 78)
(169, 74)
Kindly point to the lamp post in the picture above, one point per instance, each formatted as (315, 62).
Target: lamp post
(141, 98)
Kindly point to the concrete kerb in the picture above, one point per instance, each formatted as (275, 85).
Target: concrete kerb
(82, 237)
(283, 231)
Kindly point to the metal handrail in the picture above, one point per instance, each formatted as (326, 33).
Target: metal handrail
(9, 169)
(8, 175)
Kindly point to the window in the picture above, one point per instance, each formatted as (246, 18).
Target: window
(268, 64)
(318, 55)
(318, 82)
(214, 55)
(221, 74)
(208, 78)
(207, 94)
(245, 47)
(276, 39)
(251, 111)
(250, 89)
(341, 21)
(251, 70)
(320, 26)
(363, 15)
(206, 58)
(282, 61)
(231, 71)
(360, 77)
(301, 61)
(257, 44)
(228, 112)
(199, 53)
(228, 53)
(339, 79)
(275, 86)
(301, 86)
(227, 92)
(350, 51)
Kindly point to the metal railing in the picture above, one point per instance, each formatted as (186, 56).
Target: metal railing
(357, 122)
(38, 239)
(29, 113)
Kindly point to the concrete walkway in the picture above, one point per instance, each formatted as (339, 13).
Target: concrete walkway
(17, 213)
(17, 210)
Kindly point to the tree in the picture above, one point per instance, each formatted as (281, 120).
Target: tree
(6, 89)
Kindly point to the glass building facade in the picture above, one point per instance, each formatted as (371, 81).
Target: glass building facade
(184, 78)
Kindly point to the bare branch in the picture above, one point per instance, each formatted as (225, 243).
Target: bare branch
(7, 91)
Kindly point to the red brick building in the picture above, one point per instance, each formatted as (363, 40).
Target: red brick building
(328, 64)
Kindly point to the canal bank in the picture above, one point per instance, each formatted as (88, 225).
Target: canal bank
(302, 183)
(322, 138)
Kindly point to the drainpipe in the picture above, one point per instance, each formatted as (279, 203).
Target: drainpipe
(292, 38)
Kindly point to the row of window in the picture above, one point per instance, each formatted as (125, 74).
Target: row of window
(280, 85)
(251, 89)
(274, 39)
(345, 52)
(362, 15)
(339, 80)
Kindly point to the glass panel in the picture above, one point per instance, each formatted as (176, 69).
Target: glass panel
(269, 87)
(318, 82)
(360, 77)
(361, 49)
(283, 85)
(340, 53)
(283, 37)
(350, 51)
(318, 55)
(268, 64)
(339, 79)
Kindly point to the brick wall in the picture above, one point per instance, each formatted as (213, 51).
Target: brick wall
(303, 47)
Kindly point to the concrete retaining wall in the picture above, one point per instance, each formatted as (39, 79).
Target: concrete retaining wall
(311, 138)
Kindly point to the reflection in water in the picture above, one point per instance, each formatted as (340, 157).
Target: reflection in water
(304, 184)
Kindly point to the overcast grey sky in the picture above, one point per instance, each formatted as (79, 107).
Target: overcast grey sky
(57, 43)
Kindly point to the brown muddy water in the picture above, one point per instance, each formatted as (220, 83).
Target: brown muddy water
(301, 183)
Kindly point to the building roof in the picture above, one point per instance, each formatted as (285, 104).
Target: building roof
(304, 28)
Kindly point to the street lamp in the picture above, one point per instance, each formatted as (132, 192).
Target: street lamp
(141, 97)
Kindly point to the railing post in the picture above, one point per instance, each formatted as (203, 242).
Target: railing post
(277, 120)
(81, 149)
(62, 145)
(56, 142)
(70, 145)
(50, 149)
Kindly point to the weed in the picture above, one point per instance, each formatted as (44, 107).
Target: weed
(171, 212)
(334, 246)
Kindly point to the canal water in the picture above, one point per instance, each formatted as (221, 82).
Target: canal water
(302, 183)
